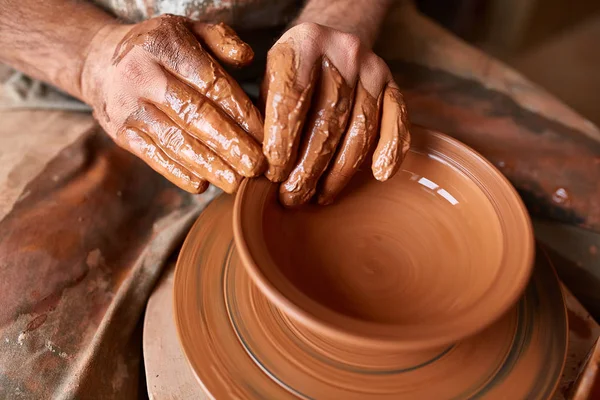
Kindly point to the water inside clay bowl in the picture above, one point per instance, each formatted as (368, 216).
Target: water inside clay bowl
(433, 255)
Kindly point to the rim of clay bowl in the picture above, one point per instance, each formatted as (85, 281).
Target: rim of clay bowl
(321, 319)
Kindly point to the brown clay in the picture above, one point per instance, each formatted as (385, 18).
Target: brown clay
(339, 122)
(324, 130)
(225, 43)
(435, 254)
(287, 104)
(159, 85)
(359, 139)
(169, 40)
(395, 136)
(209, 124)
(180, 145)
(138, 143)
(240, 345)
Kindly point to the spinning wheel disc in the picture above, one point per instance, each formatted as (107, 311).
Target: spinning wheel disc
(240, 345)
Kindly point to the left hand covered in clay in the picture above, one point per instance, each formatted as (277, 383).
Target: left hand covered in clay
(328, 100)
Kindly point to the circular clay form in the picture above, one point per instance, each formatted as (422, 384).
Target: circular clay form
(432, 256)
(241, 345)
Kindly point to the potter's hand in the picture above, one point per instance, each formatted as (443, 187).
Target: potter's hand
(328, 99)
(159, 94)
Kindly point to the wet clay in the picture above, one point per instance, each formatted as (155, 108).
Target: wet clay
(199, 136)
(446, 241)
(395, 136)
(178, 144)
(168, 39)
(209, 124)
(324, 129)
(374, 246)
(141, 145)
(239, 344)
(287, 103)
(362, 132)
(225, 43)
(300, 144)
(186, 117)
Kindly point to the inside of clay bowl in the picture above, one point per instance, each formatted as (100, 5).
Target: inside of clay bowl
(429, 257)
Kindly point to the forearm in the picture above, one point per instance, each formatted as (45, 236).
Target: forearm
(48, 40)
(360, 17)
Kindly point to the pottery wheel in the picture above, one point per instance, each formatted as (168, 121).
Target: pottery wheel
(240, 346)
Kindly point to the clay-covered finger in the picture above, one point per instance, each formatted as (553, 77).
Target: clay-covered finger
(187, 150)
(198, 116)
(287, 101)
(224, 43)
(324, 129)
(394, 141)
(355, 145)
(141, 145)
(176, 48)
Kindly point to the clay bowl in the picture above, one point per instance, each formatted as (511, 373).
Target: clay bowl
(430, 257)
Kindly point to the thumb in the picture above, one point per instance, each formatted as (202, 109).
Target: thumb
(224, 43)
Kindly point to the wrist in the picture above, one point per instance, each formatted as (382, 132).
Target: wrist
(98, 59)
(79, 55)
(363, 19)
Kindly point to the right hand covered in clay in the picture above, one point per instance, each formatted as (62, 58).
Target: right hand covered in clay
(159, 94)
(328, 100)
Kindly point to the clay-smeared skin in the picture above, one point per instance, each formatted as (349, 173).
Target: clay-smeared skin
(287, 105)
(163, 97)
(169, 40)
(140, 144)
(395, 138)
(209, 124)
(192, 154)
(317, 79)
(225, 41)
(362, 132)
(324, 130)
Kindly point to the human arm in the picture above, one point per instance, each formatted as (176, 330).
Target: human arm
(153, 86)
(362, 18)
(328, 100)
(49, 40)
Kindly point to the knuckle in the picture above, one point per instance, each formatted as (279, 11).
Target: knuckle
(351, 44)
(304, 38)
(377, 67)
(309, 29)
(374, 74)
(379, 63)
